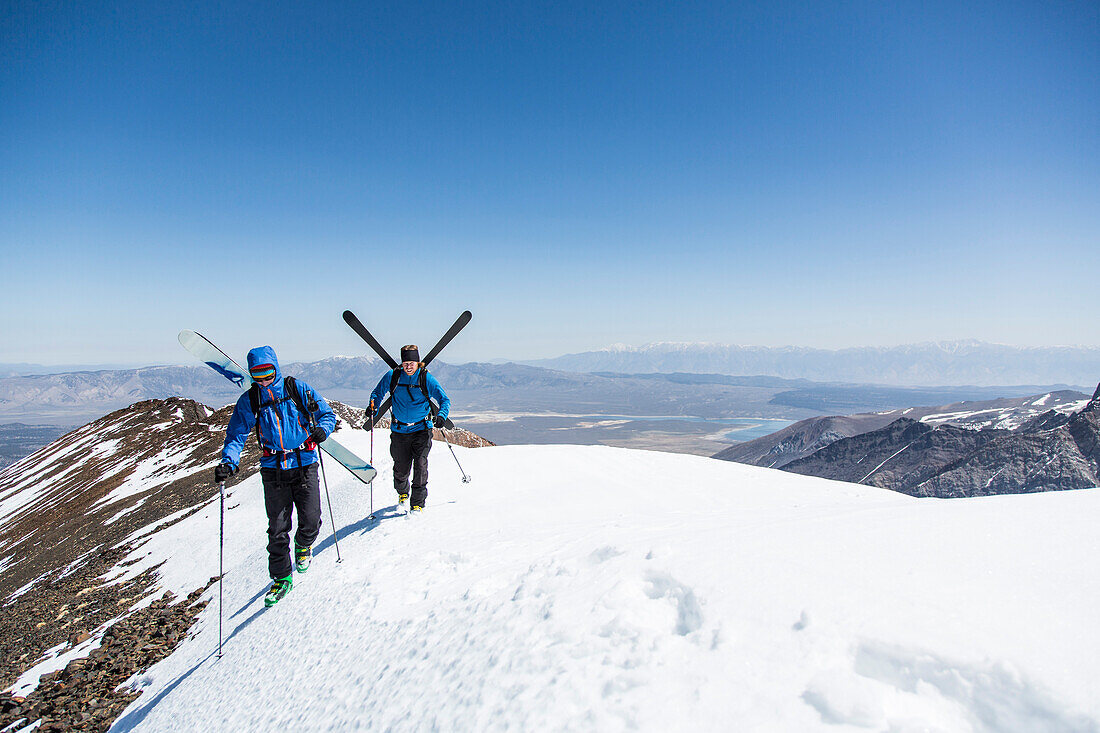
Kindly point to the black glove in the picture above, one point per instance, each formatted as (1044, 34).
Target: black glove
(439, 421)
(369, 412)
(318, 434)
(223, 471)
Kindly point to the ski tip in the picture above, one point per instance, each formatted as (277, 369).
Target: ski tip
(349, 316)
(187, 336)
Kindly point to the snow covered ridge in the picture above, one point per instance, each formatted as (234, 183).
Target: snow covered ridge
(594, 588)
(978, 417)
(71, 511)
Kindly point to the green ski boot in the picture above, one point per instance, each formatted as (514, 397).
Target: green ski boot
(302, 556)
(279, 588)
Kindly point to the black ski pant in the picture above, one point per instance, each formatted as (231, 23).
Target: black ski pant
(285, 489)
(410, 452)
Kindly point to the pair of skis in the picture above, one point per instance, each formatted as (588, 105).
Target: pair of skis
(458, 325)
(357, 326)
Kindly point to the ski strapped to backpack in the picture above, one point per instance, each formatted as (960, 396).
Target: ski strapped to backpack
(290, 392)
(206, 352)
(356, 325)
(423, 382)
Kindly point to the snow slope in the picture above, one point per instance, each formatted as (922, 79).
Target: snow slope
(595, 588)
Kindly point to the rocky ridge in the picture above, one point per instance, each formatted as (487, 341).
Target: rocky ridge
(75, 508)
(90, 692)
(808, 436)
(1051, 452)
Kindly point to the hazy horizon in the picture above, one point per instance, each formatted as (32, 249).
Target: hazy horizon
(185, 361)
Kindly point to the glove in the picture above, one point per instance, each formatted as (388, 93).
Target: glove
(223, 471)
(369, 412)
(318, 434)
(439, 421)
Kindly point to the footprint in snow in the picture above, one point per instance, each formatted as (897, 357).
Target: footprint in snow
(689, 614)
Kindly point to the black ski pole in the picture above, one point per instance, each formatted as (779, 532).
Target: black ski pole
(465, 478)
(311, 407)
(335, 540)
(371, 484)
(221, 564)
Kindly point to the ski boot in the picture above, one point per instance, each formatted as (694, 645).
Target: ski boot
(279, 588)
(417, 508)
(302, 557)
(403, 503)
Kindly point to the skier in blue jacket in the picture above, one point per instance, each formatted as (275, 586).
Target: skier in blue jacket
(289, 424)
(411, 386)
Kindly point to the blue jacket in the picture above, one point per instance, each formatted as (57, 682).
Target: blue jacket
(282, 427)
(409, 405)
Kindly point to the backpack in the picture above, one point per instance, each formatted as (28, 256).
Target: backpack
(423, 383)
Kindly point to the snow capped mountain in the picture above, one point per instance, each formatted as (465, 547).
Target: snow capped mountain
(1005, 417)
(596, 588)
(927, 364)
(807, 436)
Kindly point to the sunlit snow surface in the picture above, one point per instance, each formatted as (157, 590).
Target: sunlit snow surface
(594, 588)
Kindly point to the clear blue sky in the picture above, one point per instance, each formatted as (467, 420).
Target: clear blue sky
(575, 173)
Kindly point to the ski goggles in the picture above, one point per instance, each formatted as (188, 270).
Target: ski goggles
(262, 371)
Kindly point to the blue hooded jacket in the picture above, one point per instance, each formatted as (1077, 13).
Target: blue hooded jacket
(282, 427)
(409, 405)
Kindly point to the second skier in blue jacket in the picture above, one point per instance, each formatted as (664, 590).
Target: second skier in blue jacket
(411, 424)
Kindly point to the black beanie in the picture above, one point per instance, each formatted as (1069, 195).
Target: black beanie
(410, 353)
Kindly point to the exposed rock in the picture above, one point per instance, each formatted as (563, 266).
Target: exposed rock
(1049, 453)
(1046, 421)
(83, 696)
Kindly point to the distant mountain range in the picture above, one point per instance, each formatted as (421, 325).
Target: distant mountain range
(948, 454)
(79, 395)
(15, 369)
(927, 364)
(75, 397)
